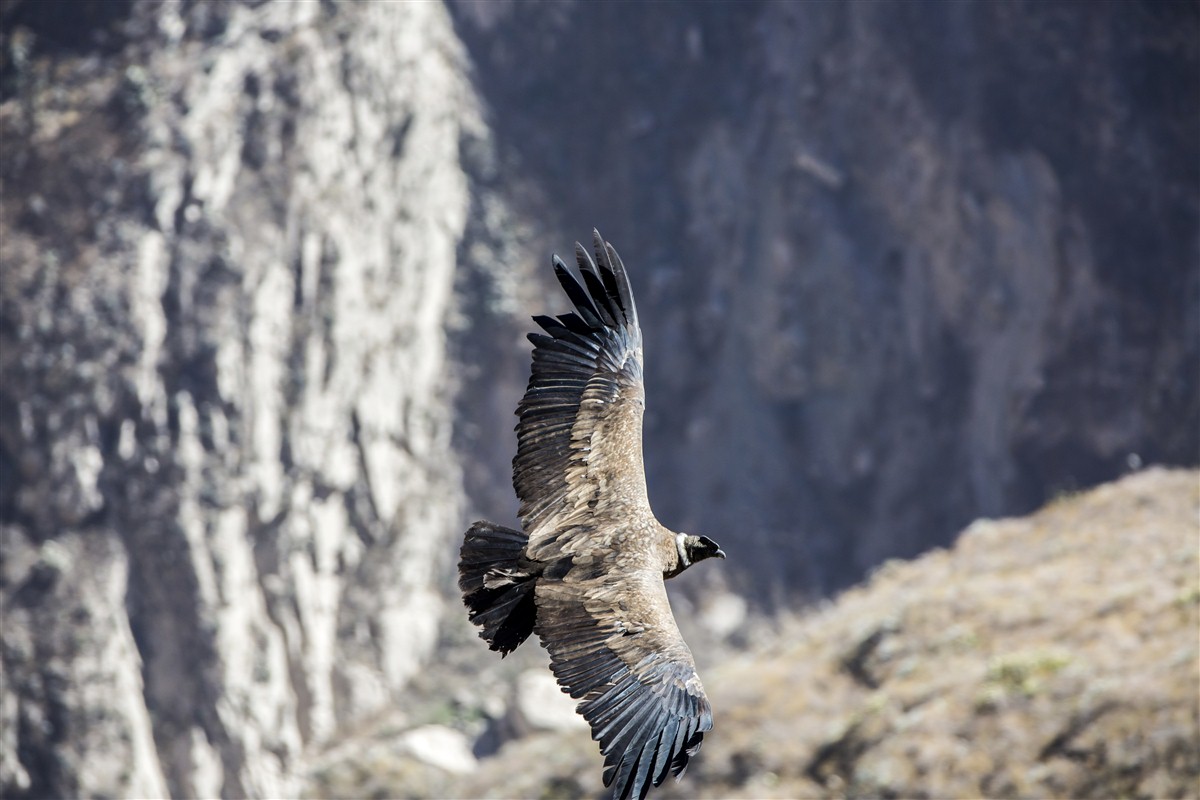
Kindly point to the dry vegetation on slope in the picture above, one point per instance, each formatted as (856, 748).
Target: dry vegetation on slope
(1052, 655)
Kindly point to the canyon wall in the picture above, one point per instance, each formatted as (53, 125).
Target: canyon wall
(265, 270)
(230, 244)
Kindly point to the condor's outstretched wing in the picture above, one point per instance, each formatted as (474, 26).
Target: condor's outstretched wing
(614, 645)
(579, 438)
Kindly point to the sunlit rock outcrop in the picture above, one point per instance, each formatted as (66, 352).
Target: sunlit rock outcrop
(225, 425)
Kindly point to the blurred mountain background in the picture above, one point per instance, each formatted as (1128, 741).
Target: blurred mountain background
(265, 271)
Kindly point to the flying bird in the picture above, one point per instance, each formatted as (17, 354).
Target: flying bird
(587, 570)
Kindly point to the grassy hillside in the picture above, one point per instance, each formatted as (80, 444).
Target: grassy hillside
(1052, 655)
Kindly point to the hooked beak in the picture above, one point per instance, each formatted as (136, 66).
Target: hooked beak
(720, 553)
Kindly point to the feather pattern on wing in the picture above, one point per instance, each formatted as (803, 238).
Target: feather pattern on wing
(579, 430)
(630, 668)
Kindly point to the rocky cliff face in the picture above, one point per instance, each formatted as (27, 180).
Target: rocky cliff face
(229, 256)
(264, 271)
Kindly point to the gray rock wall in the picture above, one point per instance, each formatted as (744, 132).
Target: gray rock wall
(229, 259)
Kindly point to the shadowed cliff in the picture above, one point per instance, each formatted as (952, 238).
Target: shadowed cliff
(902, 264)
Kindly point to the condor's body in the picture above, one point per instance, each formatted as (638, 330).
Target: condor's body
(586, 573)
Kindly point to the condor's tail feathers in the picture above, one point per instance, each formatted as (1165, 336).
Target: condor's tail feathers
(497, 585)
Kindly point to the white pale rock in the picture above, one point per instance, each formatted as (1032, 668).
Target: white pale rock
(440, 746)
(538, 704)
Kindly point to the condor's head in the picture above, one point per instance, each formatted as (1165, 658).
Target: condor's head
(692, 549)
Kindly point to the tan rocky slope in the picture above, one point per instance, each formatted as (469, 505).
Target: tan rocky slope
(1051, 655)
